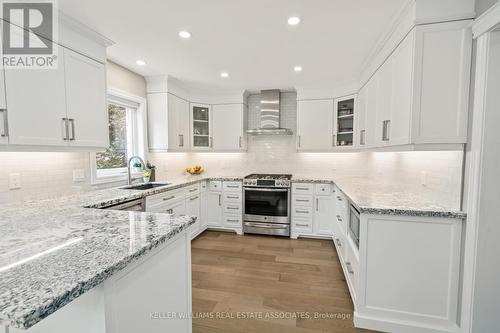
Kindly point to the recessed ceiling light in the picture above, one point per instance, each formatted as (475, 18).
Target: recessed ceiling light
(140, 62)
(184, 34)
(297, 68)
(294, 20)
(224, 74)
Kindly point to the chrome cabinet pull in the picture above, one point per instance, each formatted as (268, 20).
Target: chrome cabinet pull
(72, 122)
(362, 137)
(181, 140)
(301, 225)
(339, 243)
(211, 142)
(194, 198)
(302, 189)
(301, 200)
(299, 141)
(220, 199)
(193, 189)
(349, 267)
(317, 204)
(230, 220)
(232, 197)
(240, 142)
(233, 208)
(169, 198)
(302, 211)
(385, 130)
(65, 129)
(339, 218)
(334, 136)
(5, 125)
(232, 186)
(339, 198)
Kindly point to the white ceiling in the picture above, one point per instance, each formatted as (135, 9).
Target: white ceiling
(249, 39)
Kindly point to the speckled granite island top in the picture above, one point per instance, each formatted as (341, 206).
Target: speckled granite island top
(52, 251)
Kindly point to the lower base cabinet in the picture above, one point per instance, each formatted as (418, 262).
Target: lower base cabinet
(151, 295)
(225, 205)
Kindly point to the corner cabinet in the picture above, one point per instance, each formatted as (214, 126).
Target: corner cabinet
(315, 130)
(228, 127)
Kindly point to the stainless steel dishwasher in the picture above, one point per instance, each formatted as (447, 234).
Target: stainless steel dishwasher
(136, 205)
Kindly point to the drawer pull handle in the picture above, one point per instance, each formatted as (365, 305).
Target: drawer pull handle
(339, 198)
(232, 197)
(302, 225)
(302, 200)
(233, 208)
(302, 188)
(302, 211)
(232, 186)
(339, 218)
(169, 198)
(349, 267)
(192, 190)
(339, 243)
(194, 198)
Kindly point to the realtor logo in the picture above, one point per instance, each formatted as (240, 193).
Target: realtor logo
(29, 27)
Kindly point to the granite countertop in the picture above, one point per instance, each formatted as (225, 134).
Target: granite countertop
(54, 250)
(372, 197)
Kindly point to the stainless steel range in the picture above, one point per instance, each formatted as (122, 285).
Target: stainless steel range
(267, 204)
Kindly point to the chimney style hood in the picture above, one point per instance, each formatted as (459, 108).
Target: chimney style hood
(270, 115)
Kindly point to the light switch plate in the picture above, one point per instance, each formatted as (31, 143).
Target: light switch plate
(78, 175)
(14, 181)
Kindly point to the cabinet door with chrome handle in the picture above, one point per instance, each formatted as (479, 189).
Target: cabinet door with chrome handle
(4, 126)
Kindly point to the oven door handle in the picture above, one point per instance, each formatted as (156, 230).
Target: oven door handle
(266, 189)
(266, 226)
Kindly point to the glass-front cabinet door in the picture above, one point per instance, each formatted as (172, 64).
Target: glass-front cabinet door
(344, 122)
(201, 127)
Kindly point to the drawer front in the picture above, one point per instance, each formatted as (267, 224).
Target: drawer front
(302, 188)
(233, 220)
(341, 221)
(232, 209)
(302, 212)
(352, 268)
(176, 205)
(301, 225)
(215, 185)
(164, 197)
(232, 186)
(192, 189)
(233, 197)
(302, 200)
(323, 189)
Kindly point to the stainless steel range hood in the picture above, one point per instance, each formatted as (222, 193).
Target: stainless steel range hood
(270, 115)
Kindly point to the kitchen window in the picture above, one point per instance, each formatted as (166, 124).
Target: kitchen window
(126, 138)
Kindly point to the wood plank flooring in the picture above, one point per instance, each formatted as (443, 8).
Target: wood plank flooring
(267, 284)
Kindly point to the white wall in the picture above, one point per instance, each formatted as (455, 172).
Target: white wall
(46, 175)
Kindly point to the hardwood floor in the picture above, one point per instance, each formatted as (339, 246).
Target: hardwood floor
(268, 284)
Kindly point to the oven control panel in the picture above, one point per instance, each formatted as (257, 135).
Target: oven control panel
(266, 182)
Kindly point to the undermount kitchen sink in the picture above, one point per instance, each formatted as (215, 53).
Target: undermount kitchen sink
(146, 186)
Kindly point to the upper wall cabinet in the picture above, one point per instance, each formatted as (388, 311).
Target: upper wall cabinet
(56, 109)
(344, 117)
(201, 127)
(168, 122)
(228, 127)
(420, 93)
(315, 131)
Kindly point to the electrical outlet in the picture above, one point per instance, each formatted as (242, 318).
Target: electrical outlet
(14, 181)
(423, 178)
(78, 175)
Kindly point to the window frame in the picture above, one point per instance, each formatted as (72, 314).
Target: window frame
(137, 131)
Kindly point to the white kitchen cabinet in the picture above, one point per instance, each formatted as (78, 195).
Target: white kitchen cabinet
(168, 122)
(315, 130)
(313, 210)
(420, 93)
(361, 119)
(4, 131)
(193, 206)
(37, 105)
(214, 214)
(344, 120)
(86, 101)
(324, 215)
(201, 127)
(228, 127)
